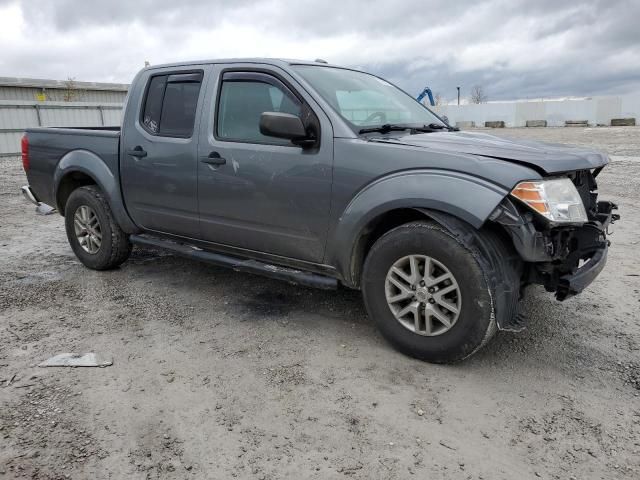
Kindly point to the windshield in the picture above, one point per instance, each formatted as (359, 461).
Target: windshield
(365, 100)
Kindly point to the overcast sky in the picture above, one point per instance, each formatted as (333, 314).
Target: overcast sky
(513, 48)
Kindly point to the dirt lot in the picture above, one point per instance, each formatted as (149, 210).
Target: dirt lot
(224, 375)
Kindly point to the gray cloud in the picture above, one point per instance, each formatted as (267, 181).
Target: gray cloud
(515, 49)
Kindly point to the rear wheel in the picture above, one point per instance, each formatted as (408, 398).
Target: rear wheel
(428, 293)
(95, 237)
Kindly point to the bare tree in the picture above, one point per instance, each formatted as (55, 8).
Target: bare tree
(439, 100)
(478, 95)
(71, 91)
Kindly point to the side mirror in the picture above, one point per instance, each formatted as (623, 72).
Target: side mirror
(284, 125)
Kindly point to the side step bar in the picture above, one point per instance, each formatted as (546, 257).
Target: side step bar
(239, 264)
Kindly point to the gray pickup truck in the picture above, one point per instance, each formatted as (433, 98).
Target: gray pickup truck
(327, 176)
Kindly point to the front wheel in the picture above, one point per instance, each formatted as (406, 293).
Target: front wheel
(428, 294)
(94, 235)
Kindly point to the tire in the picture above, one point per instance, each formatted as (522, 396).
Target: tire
(475, 322)
(114, 247)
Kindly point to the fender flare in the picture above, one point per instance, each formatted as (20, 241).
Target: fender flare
(469, 198)
(93, 166)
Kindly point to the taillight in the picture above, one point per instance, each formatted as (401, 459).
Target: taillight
(25, 153)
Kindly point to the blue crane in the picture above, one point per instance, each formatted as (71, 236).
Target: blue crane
(426, 93)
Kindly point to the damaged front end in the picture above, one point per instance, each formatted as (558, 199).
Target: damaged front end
(563, 256)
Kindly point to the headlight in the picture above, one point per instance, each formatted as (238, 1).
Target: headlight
(556, 199)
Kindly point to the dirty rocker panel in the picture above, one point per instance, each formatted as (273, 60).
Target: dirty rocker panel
(287, 274)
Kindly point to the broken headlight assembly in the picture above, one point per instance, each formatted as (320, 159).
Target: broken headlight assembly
(556, 199)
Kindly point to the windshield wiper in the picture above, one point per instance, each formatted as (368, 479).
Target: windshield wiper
(386, 128)
(391, 127)
(437, 126)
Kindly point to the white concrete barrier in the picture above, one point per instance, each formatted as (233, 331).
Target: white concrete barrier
(596, 110)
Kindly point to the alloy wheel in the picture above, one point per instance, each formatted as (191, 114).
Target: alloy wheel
(87, 229)
(423, 295)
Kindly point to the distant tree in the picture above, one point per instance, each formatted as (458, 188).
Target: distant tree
(71, 91)
(478, 95)
(439, 100)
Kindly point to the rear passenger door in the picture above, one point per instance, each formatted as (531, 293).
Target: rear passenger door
(159, 151)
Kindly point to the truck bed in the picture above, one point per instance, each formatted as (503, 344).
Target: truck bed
(49, 146)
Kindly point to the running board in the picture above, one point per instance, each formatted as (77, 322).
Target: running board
(239, 264)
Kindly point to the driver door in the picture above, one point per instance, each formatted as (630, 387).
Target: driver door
(261, 193)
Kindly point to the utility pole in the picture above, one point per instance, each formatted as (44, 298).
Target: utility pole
(458, 95)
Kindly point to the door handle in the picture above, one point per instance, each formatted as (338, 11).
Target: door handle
(137, 152)
(214, 158)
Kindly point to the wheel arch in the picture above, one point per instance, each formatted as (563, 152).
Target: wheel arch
(493, 249)
(68, 183)
(82, 167)
(401, 198)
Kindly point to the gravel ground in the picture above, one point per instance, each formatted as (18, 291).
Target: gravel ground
(218, 374)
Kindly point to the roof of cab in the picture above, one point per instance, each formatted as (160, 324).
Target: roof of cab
(279, 62)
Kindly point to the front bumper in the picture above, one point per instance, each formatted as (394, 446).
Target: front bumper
(572, 284)
(565, 259)
(583, 255)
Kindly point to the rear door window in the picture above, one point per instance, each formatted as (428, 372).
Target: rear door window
(170, 104)
(153, 104)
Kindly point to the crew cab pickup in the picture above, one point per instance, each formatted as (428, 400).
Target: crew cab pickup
(327, 176)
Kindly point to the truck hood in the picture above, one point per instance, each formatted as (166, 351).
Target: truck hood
(546, 157)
